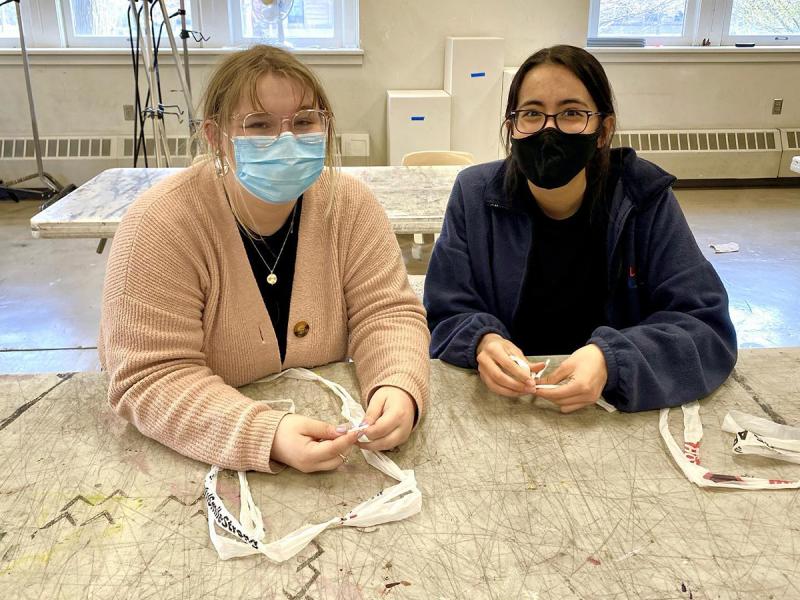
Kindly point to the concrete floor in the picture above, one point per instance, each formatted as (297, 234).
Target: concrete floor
(50, 289)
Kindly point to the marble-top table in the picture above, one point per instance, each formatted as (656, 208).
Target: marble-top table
(414, 199)
(519, 501)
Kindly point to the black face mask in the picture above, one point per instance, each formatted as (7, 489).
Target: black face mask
(551, 159)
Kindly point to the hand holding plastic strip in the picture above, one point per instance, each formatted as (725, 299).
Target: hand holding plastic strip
(245, 536)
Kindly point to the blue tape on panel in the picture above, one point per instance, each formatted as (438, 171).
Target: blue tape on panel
(418, 118)
(478, 74)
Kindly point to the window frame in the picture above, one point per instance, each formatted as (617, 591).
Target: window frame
(705, 20)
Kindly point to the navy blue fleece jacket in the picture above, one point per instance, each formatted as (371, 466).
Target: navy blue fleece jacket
(667, 338)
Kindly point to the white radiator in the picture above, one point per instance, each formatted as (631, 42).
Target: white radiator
(76, 159)
(790, 140)
(688, 154)
(715, 154)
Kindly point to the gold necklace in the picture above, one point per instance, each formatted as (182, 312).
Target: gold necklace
(272, 279)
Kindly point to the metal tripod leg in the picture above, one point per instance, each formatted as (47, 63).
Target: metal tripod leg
(54, 187)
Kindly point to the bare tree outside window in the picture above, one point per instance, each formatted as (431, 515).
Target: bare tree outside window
(641, 18)
(109, 18)
(765, 17)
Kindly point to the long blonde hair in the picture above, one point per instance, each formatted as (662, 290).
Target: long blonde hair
(238, 74)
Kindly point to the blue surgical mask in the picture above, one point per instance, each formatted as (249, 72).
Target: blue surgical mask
(278, 170)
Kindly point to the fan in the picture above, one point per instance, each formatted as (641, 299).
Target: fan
(276, 11)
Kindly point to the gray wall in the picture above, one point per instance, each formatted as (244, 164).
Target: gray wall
(403, 43)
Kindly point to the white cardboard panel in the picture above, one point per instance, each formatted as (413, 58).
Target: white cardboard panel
(416, 120)
(473, 72)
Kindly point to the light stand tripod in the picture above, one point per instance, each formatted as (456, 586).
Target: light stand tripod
(149, 51)
(54, 189)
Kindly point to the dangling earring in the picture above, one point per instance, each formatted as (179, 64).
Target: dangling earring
(220, 164)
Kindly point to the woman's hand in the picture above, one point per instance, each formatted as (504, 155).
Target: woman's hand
(586, 374)
(390, 416)
(501, 374)
(309, 445)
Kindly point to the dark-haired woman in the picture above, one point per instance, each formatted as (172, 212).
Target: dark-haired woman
(569, 247)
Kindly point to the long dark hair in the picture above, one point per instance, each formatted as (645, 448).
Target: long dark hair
(590, 72)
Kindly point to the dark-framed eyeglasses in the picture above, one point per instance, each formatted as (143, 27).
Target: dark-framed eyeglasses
(527, 121)
(310, 120)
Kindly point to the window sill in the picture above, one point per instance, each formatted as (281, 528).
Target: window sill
(698, 54)
(197, 56)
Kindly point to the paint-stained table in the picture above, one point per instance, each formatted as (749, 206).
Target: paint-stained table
(519, 502)
(414, 199)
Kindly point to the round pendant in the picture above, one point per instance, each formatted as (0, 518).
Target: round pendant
(272, 279)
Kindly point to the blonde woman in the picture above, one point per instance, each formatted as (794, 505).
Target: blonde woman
(260, 259)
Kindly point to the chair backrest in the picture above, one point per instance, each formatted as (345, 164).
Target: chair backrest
(437, 157)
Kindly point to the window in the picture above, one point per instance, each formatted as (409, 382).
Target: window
(658, 21)
(296, 23)
(317, 24)
(9, 32)
(690, 22)
(8, 21)
(104, 23)
(763, 22)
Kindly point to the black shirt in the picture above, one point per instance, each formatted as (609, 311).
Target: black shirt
(277, 297)
(564, 294)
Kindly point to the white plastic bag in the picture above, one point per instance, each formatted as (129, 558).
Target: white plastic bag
(755, 435)
(690, 463)
(245, 535)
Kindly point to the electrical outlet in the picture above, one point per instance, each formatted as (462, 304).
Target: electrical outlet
(127, 112)
(777, 106)
(355, 144)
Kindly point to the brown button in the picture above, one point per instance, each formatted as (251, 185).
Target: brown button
(301, 329)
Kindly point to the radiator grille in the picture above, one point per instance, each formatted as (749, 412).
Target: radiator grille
(71, 147)
(792, 139)
(85, 147)
(700, 141)
(177, 147)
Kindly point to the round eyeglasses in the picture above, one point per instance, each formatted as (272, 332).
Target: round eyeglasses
(268, 124)
(572, 120)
